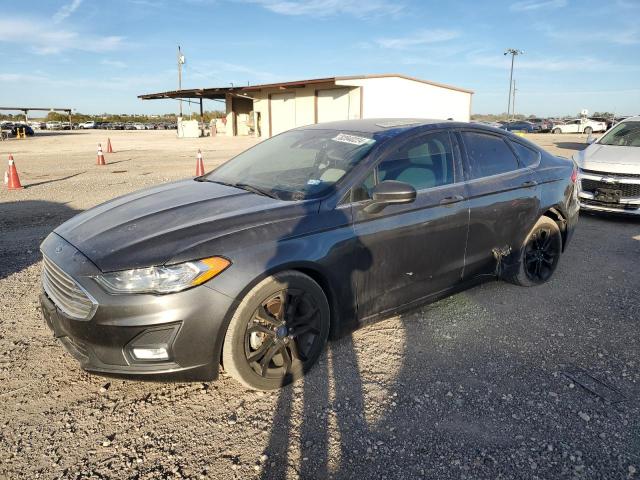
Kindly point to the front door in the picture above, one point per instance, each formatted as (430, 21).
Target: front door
(417, 249)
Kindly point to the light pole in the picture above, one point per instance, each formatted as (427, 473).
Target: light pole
(180, 63)
(513, 52)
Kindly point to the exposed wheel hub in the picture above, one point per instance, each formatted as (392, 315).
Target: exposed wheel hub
(282, 331)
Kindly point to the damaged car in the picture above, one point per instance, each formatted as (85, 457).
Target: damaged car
(305, 236)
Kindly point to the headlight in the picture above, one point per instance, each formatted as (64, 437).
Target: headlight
(163, 279)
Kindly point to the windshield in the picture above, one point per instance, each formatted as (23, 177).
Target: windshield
(295, 165)
(625, 134)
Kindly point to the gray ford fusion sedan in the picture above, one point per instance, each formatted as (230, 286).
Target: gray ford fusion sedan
(306, 235)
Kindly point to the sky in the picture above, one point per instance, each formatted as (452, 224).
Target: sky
(97, 56)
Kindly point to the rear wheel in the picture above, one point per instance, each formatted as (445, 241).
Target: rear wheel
(278, 331)
(539, 255)
(588, 130)
(556, 130)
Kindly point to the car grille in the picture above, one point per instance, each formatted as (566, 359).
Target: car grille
(67, 295)
(626, 189)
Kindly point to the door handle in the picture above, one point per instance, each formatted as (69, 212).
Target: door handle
(452, 199)
(530, 183)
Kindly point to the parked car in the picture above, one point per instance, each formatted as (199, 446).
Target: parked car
(580, 126)
(490, 124)
(54, 125)
(521, 126)
(12, 129)
(608, 121)
(545, 125)
(87, 125)
(610, 170)
(319, 229)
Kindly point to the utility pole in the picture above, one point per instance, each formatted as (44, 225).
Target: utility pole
(513, 103)
(180, 63)
(513, 52)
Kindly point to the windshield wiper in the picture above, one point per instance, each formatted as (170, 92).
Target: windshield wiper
(253, 189)
(247, 187)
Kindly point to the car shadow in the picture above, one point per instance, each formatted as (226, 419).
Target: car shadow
(52, 133)
(571, 145)
(24, 225)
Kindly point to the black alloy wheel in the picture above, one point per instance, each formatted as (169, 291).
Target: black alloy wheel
(541, 255)
(285, 328)
(277, 332)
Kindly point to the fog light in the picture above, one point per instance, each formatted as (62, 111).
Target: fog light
(150, 353)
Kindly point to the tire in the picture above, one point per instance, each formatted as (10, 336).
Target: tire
(539, 255)
(556, 130)
(267, 346)
(588, 130)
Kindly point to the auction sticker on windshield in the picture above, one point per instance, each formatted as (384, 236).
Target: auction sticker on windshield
(352, 139)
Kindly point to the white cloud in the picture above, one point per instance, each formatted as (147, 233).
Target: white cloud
(532, 5)
(418, 39)
(226, 72)
(66, 10)
(113, 63)
(552, 64)
(621, 36)
(326, 8)
(45, 39)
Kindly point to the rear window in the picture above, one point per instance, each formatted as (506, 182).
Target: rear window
(488, 154)
(528, 156)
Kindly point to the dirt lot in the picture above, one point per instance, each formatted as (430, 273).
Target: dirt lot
(495, 382)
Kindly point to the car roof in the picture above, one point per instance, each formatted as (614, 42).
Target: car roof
(635, 118)
(375, 125)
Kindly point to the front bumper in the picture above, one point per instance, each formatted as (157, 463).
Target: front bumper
(189, 324)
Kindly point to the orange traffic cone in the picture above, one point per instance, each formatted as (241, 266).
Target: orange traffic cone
(199, 165)
(100, 156)
(11, 176)
(109, 148)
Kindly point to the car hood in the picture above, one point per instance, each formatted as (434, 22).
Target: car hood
(608, 158)
(156, 225)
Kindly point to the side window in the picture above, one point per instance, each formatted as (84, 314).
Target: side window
(528, 156)
(424, 162)
(488, 154)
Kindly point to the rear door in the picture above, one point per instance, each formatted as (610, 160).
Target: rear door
(417, 249)
(502, 198)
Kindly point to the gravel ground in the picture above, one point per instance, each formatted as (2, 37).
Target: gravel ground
(495, 382)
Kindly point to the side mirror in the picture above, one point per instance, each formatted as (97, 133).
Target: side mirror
(592, 139)
(390, 192)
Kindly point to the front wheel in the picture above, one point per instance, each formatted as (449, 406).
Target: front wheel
(556, 130)
(539, 255)
(277, 332)
(588, 130)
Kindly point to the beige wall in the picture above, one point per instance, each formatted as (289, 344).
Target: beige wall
(305, 112)
(389, 97)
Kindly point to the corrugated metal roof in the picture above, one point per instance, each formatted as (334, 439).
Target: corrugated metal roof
(219, 93)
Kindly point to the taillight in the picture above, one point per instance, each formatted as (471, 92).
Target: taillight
(574, 175)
